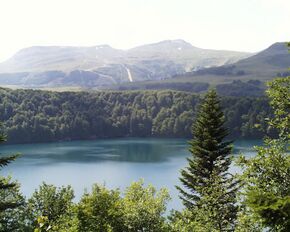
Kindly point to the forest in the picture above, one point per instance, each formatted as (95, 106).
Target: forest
(43, 116)
(256, 199)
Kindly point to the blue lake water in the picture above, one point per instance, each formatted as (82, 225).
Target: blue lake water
(113, 162)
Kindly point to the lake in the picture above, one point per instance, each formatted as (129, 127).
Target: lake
(113, 162)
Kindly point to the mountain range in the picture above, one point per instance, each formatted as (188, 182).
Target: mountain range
(102, 66)
(97, 66)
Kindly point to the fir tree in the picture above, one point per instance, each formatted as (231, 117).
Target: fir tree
(4, 184)
(207, 183)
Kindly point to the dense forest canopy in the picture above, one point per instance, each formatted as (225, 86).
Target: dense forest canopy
(256, 199)
(41, 116)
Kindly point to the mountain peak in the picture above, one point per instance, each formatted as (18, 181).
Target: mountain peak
(176, 42)
(166, 46)
(101, 46)
(279, 48)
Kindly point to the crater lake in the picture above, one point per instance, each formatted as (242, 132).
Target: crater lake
(113, 162)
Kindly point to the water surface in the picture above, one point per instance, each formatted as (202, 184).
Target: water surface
(114, 162)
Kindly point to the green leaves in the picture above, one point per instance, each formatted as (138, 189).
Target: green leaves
(266, 176)
(51, 204)
(40, 116)
(266, 179)
(100, 210)
(141, 209)
(209, 191)
(144, 207)
(279, 94)
(274, 210)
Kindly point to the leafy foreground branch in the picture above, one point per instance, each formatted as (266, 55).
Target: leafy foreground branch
(214, 200)
(140, 208)
(266, 177)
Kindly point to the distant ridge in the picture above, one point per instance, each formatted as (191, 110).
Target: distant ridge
(102, 65)
(271, 62)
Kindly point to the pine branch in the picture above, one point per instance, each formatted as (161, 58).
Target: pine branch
(4, 161)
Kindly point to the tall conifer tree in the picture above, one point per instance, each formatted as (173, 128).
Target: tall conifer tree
(207, 185)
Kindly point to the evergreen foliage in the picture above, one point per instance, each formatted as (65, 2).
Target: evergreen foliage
(11, 200)
(4, 185)
(12, 218)
(208, 187)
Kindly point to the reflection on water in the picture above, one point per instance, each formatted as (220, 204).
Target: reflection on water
(121, 150)
(116, 162)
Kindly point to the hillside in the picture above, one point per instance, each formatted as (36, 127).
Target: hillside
(271, 62)
(246, 77)
(99, 66)
(41, 116)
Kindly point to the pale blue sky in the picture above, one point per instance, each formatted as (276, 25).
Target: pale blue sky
(244, 25)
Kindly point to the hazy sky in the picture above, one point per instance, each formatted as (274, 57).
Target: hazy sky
(244, 25)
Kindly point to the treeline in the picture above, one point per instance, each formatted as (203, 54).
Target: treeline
(238, 88)
(195, 87)
(41, 116)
